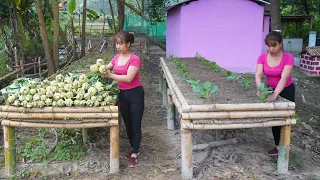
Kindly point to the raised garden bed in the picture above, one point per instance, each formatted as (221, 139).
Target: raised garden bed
(208, 97)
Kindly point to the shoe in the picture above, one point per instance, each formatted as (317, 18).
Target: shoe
(128, 155)
(132, 162)
(273, 152)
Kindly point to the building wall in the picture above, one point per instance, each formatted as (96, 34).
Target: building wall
(173, 40)
(225, 31)
(310, 65)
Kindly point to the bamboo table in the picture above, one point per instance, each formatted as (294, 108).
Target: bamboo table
(59, 117)
(223, 116)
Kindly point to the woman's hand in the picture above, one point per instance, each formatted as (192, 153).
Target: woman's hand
(105, 75)
(272, 97)
(258, 93)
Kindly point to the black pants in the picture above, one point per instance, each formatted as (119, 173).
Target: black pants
(131, 108)
(289, 94)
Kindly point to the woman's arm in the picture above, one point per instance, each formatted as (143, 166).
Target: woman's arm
(132, 71)
(110, 66)
(259, 74)
(287, 70)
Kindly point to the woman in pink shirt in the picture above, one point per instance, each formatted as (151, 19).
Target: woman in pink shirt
(277, 66)
(126, 66)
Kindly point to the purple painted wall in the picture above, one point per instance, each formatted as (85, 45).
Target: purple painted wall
(174, 21)
(231, 34)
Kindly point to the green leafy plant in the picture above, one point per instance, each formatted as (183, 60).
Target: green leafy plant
(36, 150)
(193, 82)
(234, 76)
(205, 90)
(264, 91)
(245, 82)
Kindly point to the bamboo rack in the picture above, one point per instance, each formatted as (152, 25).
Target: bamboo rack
(240, 107)
(169, 78)
(237, 114)
(105, 109)
(58, 125)
(226, 116)
(59, 117)
(238, 126)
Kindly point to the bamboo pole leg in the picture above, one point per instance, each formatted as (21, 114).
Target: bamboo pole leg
(85, 135)
(114, 149)
(160, 82)
(170, 114)
(9, 151)
(186, 153)
(284, 147)
(218, 135)
(164, 93)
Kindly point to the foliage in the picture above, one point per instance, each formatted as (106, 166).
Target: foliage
(154, 8)
(69, 146)
(244, 81)
(92, 15)
(264, 91)
(300, 8)
(205, 90)
(36, 150)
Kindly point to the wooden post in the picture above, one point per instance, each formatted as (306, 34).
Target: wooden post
(217, 135)
(186, 152)
(114, 149)
(85, 135)
(39, 64)
(160, 82)
(164, 93)
(284, 147)
(9, 151)
(170, 113)
(16, 58)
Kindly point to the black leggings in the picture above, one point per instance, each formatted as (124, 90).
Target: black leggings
(131, 108)
(289, 94)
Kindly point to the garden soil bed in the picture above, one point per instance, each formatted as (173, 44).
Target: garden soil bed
(230, 92)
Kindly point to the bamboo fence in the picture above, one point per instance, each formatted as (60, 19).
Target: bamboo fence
(225, 116)
(59, 117)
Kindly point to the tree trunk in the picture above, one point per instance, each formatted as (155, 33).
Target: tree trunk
(137, 11)
(16, 33)
(61, 33)
(45, 40)
(83, 37)
(56, 26)
(112, 15)
(120, 6)
(306, 7)
(275, 15)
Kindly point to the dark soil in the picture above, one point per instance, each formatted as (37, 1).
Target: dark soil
(230, 92)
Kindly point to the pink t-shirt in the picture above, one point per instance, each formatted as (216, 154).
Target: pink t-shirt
(134, 60)
(274, 73)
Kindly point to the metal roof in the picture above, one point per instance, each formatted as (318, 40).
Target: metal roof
(260, 2)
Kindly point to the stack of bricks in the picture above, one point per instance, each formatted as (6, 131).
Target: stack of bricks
(310, 61)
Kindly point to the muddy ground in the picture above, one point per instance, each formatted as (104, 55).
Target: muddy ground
(160, 148)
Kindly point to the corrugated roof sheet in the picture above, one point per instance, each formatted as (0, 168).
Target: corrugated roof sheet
(313, 51)
(261, 2)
